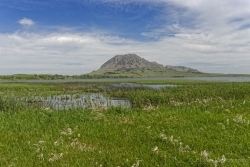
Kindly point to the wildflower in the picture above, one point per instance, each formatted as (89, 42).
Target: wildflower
(41, 142)
(67, 132)
(137, 164)
(41, 158)
(38, 150)
(215, 162)
(172, 140)
(58, 142)
(155, 149)
(222, 125)
(55, 157)
(183, 149)
(76, 128)
(239, 119)
(204, 154)
(163, 137)
(75, 144)
(223, 159)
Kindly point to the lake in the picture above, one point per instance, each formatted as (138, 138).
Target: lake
(216, 79)
(133, 85)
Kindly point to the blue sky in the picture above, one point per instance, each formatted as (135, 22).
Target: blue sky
(78, 36)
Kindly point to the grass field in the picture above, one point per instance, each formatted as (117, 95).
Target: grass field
(193, 124)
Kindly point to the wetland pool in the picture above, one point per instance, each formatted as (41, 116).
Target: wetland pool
(82, 101)
(88, 100)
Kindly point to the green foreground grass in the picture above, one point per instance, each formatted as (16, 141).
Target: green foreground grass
(196, 124)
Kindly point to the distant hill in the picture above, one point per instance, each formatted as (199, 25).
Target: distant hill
(132, 65)
(182, 68)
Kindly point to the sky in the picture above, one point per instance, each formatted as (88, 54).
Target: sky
(73, 37)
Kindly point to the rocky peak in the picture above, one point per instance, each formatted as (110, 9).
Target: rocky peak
(128, 61)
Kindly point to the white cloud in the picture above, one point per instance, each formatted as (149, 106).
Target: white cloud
(26, 22)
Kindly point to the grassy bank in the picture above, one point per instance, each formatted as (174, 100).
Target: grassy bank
(196, 124)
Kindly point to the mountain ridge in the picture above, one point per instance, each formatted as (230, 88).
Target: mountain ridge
(136, 66)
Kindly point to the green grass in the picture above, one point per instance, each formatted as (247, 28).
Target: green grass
(197, 124)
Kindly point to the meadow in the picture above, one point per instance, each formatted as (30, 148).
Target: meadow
(192, 124)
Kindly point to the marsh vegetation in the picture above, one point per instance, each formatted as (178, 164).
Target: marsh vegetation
(195, 124)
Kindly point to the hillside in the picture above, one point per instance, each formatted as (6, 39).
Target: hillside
(132, 65)
(182, 68)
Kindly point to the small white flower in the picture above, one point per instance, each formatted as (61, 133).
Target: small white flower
(41, 142)
(222, 125)
(137, 164)
(239, 119)
(41, 158)
(67, 132)
(58, 142)
(155, 149)
(76, 128)
(204, 154)
(223, 159)
(215, 162)
(55, 157)
(163, 136)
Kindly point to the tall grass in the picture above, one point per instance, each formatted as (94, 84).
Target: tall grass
(186, 93)
(199, 124)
